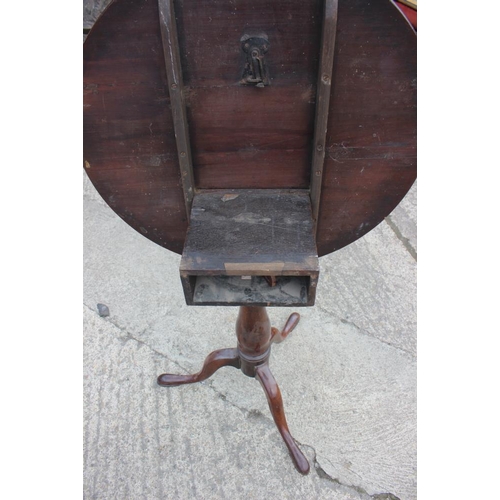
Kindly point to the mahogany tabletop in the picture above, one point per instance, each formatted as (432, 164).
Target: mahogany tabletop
(244, 136)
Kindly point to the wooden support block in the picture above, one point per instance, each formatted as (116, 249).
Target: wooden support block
(250, 247)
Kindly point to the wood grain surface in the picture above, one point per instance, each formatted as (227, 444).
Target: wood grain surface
(371, 156)
(242, 134)
(129, 144)
(248, 137)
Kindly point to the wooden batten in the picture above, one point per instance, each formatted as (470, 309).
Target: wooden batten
(322, 103)
(170, 42)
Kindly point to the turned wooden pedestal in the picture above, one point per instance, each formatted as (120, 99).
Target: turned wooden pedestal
(255, 336)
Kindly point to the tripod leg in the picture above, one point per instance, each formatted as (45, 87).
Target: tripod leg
(214, 361)
(290, 324)
(265, 377)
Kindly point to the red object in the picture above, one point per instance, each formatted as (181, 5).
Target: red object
(409, 13)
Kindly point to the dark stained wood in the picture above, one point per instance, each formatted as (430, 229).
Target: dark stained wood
(129, 144)
(273, 394)
(247, 137)
(255, 336)
(270, 229)
(237, 238)
(322, 104)
(371, 153)
(241, 134)
(291, 323)
(272, 150)
(214, 361)
(170, 42)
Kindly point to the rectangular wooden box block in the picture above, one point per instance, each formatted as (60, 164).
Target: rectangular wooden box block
(250, 247)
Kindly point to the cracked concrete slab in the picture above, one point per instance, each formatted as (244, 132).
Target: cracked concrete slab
(371, 285)
(145, 442)
(347, 375)
(403, 220)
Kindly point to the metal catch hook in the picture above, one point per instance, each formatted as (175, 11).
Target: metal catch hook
(255, 71)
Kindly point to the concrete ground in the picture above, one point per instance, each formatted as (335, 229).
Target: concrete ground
(347, 375)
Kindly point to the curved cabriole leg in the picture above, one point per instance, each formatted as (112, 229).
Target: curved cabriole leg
(214, 361)
(290, 324)
(265, 377)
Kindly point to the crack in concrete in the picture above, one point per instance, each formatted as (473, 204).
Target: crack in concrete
(405, 241)
(254, 413)
(364, 332)
(205, 383)
(129, 336)
(358, 489)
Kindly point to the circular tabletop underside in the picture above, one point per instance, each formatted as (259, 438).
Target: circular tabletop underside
(249, 138)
